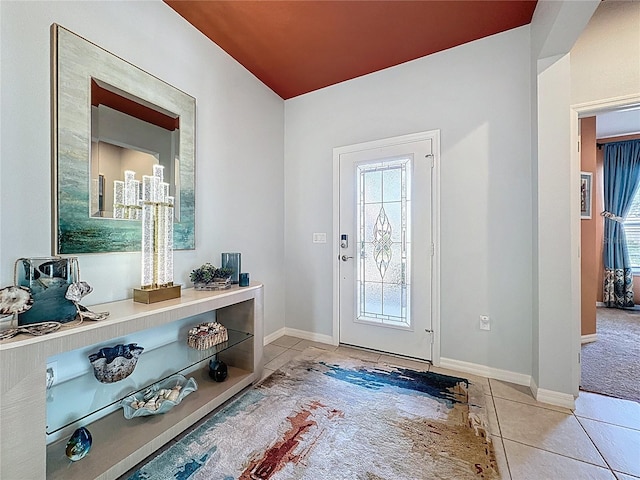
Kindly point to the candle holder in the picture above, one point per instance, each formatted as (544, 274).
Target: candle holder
(157, 241)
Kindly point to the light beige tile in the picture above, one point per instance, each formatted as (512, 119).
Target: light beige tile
(286, 341)
(520, 393)
(501, 457)
(619, 412)
(282, 359)
(357, 353)
(624, 476)
(530, 463)
(404, 362)
(303, 344)
(546, 429)
(619, 446)
(271, 351)
(492, 416)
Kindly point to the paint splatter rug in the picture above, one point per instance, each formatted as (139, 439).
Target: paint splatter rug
(326, 416)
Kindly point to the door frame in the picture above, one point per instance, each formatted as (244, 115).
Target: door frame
(578, 111)
(434, 136)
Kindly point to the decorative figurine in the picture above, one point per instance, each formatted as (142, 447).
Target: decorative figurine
(218, 370)
(79, 444)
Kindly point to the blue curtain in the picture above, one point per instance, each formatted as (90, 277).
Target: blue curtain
(621, 180)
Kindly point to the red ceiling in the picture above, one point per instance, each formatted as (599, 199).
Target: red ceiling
(298, 46)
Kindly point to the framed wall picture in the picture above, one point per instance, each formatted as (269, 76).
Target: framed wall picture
(585, 194)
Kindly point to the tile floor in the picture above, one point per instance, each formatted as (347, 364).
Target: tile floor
(600, 440)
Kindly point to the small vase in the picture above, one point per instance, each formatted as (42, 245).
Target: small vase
(232, 261)
(218, 370)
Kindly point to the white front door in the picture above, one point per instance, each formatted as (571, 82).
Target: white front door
(386, 245)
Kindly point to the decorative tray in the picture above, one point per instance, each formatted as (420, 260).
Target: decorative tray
(159, 397)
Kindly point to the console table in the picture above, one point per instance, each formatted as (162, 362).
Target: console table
(119, 444)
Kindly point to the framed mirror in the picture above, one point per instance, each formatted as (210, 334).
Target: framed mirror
(111, 124)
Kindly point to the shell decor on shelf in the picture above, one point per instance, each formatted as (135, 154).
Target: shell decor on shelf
(76, 292)
(15, 300)
(158, 398)
(206, 335)
(112, 364)
(79, 444)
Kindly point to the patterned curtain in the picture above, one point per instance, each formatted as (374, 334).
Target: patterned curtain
(621, 179)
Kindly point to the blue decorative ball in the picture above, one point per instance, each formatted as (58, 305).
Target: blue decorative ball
(79, 444)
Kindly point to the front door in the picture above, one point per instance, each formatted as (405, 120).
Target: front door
(386, 246)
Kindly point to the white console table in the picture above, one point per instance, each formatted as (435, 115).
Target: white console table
(118, 444)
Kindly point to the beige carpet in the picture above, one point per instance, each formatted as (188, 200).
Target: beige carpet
(611, 365)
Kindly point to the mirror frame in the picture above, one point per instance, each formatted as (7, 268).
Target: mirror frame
(74, 61)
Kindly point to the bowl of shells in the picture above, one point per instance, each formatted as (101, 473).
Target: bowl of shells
(159, 397)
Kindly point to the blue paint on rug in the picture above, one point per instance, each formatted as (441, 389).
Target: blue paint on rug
(432, 384)
(191, 467)
(176, 455)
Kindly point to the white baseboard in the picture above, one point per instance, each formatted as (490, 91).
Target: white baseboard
(485, 371)
(552, 397)
(540, 394)
(311, 336)
(303, 334)
(600, 304)
(274, 336)
(588, 338)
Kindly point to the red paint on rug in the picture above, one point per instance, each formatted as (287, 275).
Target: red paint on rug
(281, 453)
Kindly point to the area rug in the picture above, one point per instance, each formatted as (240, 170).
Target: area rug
(327, 416)
(611, 364)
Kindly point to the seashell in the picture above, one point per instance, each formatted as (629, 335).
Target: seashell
(173, 396)
(77, 291)
(135, 406)
(112, 364)
(87, 314)
(15, 300)
(79, 444)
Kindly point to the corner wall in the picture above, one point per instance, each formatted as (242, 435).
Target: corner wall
(239, 146)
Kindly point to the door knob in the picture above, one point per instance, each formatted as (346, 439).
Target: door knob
(345, 258)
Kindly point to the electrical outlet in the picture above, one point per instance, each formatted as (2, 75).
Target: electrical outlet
(484, 322)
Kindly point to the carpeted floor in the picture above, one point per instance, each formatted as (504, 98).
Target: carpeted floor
(611, 365)
(327, 416)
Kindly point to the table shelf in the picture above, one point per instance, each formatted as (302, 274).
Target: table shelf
(81, 398)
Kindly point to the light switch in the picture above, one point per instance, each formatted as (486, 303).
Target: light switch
(319, 238)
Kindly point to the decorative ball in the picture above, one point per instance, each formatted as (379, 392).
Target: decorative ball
(218, 370)
(79, 444)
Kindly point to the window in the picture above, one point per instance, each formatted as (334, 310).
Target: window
(632, 230)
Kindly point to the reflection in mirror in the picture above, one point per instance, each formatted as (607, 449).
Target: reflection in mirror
(128, 134)
(109, 163)
(113, 122)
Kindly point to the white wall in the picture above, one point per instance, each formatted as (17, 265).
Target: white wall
(556, 322)
(605, 61)
(239, 147)
(478, 95)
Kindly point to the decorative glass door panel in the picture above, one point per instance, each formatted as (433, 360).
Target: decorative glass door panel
(384, 242)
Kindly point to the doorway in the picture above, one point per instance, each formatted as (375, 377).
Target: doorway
(387, 260)
(609, 360)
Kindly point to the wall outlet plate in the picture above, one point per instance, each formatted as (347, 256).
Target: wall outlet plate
(484, 322)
